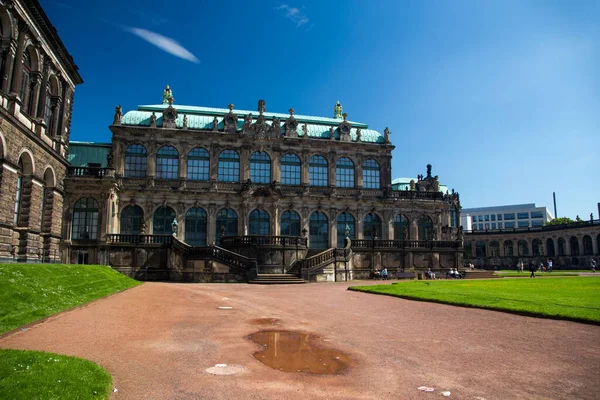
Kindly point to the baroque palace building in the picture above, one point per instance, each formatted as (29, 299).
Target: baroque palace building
(196, 192)
(37, 83)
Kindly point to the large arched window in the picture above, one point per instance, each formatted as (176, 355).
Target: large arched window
(401, 228)
(318, 231)
(227, 219)
(523, 248)
(588, 250)
(344, 221)
(24, 176)
(198, 165)
(425, 226)
(574, 243)
(494, 248)
(167, 163)
(453, 217)
(260, 167)
(229, 166)
(480, 249)
(344, 173)
(19, 190)
(195, 227)
(318, 171)
(550, 247)
(85, 219)
(509, 248)
(131, 220)
(290, 169)
(372, 226)
(290, 224)
(370, 170)
(536, 246)
(26, 79)
(259, 223)
(163, 220)
(136, 158)
(562, 245)
(51, 91)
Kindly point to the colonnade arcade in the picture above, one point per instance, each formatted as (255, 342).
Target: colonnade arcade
(571, 245)
(200, 225)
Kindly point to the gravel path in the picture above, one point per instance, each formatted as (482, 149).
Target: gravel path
(158, 339)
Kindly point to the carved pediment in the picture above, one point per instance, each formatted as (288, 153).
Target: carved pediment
(291, 125)
(344, 129)
(169, 117)
(230, 121)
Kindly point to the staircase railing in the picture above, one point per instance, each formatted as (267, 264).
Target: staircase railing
(139, 239)
(406, 244)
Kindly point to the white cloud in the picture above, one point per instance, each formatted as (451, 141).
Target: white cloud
(164, 43)
(293, 14)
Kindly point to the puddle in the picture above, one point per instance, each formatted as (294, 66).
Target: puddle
(292, 351)
(264, 321)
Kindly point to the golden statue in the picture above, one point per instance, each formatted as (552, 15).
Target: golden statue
(337, 110)
(168, 96)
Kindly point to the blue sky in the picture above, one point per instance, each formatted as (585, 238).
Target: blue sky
(501, 97)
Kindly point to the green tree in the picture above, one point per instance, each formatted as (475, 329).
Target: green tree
(561, 221)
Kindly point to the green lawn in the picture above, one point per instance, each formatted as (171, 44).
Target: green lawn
(38, 375)
(573, 298)
(525, 274)
(29, 292)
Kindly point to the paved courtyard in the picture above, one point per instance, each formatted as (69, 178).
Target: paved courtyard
(158, 339)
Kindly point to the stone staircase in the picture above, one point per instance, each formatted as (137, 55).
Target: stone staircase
(276, 279)
(478, 274)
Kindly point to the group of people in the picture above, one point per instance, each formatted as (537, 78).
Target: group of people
(453, 274)
(381, 275)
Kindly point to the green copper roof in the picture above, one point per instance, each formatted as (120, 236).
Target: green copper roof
(202, 118)
(81, 154)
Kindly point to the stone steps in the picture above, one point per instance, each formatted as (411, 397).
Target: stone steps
(276, 279)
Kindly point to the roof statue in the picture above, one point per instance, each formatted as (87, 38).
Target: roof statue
(337, 110)
(261, 106)
(168, 96)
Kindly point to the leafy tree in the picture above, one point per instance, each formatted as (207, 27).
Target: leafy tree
(561, 221)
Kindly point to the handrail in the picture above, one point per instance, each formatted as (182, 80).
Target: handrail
(96, 172)
(405, 244)
(139, 238)
(319, 259)
(257, 240)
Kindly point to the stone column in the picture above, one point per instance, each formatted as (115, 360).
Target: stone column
(214, 164)
(358, 178)
(304, 168)
(53, 129)
(183, 166)
(359, 225)
(35, 82)
(332, 229)
(567, 247)
(501, 248)
(211, 224)
(41, 110)
(151, 164)
(244, 164)
(332, 171)
(580, 242)
(18, 65)
(414, 228)
(276, 167)
(9, 56)
(243, 221)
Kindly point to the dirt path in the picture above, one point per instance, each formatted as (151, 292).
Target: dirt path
(158, 339)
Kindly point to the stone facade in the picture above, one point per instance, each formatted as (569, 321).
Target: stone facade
(570, 246)
(38, 79)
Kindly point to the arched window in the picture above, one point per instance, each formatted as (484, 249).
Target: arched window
(290, 224)
(136, 158)
(163, 220)
(425, 226)
(370, 170)
(229, 166)
(318, 171)
(536, 246)
(48, 107)
(401, 228)
(344, 173)
(480, 249)
(167, 163)
(318, 231)
(509, 249)
(26, 79)
(131, 220)
(453, 217)
(85, 219)
(588, 250)
(198, 164)
(19, 190)
(574, 246)
(372, 226)
(259, 223)
(562, 245)
(344, 220)
(550, 247)
(523, 248)
(195, 227)
(228, 219)
(468, 250)
(494, 248)
(290, 169)
(24, 175)
(260, 167)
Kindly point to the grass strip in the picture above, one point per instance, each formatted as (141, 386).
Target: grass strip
(29, 292)
(569, 298)
(28, 375)
(525, 274)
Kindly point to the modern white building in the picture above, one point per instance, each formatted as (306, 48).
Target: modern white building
(505, 217)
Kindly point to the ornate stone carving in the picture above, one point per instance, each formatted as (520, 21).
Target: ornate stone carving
(337, 110)
(261, 106)
(332, 133)
(358, 133)
(167, 97)
(290, 125)
(386, 135)
(215, 124)
(118, 115)
(185, 122)
(344, 129)
(153, 120)
(230, 121)
(304, 131)
(276, 127)
(169, 117)
(109, 159)
(247, 124)
(412, 185)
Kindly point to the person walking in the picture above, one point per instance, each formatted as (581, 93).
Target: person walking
(593, 264)
(549, 265)
(532, 269)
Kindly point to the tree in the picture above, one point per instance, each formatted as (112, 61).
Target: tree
(561, 221)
